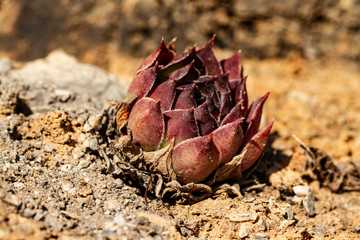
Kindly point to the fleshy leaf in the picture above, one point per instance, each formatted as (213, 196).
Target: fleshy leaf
(222, 84)
(231, 66)
(180, 125)
(199, 64)
(162, 55)
(165, 93)
(213, 109)
(225, 105)
(177, 63)
(254, 148)
(142, 83)
(195, 159)
(146, 124)
(228, 140)
(185, 75)
(205, 85)
(254, 117)
(239, 93)
(204, 119)
(208, 57)
(185, 97)
(234, 114)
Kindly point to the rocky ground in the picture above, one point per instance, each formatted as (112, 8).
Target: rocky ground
(56, 184)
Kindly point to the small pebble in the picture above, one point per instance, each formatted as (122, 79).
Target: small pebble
(87, 127)
(64, 95)
(302, 191)
(357, 141)
(86, 144)
(296, 199)
(82, 138)
(77, 155)
(119, 220)
(12, 199)
(143, 221)
(319, 230)
(244, 230)
(29, 212)
(289, 212)
(65, 167)
(39, 214)
(95, 122)
(309, 205)
(61, 205)
(93, 145)
(185, 232)
(83, 164)
(19, 185)
(5, 65)
(243, 218)
(48, 148)
(53, 222)
(286, 223)
(262, 225)
(66, 185)
(38, 145)
(259, 236)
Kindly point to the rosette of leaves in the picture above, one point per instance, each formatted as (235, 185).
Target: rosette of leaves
(193, 110)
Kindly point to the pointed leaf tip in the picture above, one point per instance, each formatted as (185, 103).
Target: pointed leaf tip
(207, 56)
(232, 66)
(255, 147)
(162, 55)
(142, 83)
(254, 117)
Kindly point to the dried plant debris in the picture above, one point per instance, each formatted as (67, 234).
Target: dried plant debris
(337, 177)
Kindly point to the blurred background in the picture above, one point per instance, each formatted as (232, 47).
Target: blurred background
(306, 52)
(97, 31)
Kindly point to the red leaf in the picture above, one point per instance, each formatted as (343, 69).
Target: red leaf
(162, 55)
(178, 62)
(231, 66)
(208, 57)
(254, 117)
(239, 93)
(185, 75)
(206, 122)
(180, 124)
(165, 93)
(228, 140)
(142, 83)
(234, 114)
(225, 105)
(254, 148)
(185, 97)
(195, 159)
(146, 124)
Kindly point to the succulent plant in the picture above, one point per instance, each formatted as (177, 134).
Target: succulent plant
(199, 106)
